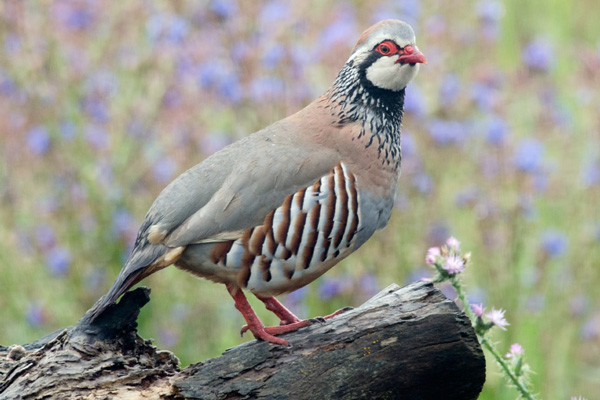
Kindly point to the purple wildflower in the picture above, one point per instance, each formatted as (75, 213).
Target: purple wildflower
(538, 55)
(38, 140)
(168, 27)
(497, 129)
(453, 243)
(590, 330)
(438, 231)
(44, 235)
(554, 243)
(334, 286)
(164, 169)
(73, 16)
(423, 183)
(447, 132)
(414, 102)
(123, 223)
(97, 109)
(490, 13)
(224, 8)
(341, 31)
(368, 284)
(467, 196)
(476, 295)
(528, 155)
(449, 89)
(265, 89)
(497, 318)
(432, 255)
(35, 314)
(516, 350)
(484, 95)
(590, 175)
(168, 337)
(58, 261)
(7, 84)
(212, 142)
(478, 309)
(273, 12)
(12, 43)
(272, 56)
(409, 147)
(97, 137)
(454, 264)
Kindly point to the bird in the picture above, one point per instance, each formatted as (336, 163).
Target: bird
(275, 210)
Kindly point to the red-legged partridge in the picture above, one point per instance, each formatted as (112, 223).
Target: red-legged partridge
(277, 209)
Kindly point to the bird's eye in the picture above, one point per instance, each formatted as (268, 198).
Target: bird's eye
(386, 48)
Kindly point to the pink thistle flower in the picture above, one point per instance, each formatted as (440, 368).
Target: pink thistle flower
(497, 318)
(478, 309)
(432, 254)
(454, 265)
(453, 243)
(515, 350)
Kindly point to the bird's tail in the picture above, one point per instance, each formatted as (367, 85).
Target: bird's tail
(139, 266)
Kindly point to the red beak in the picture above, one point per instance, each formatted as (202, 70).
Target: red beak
(411, 55)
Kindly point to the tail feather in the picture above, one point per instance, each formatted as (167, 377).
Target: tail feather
(139, 266)
(120, 286)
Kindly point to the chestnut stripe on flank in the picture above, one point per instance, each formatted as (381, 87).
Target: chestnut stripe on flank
(286, 254)
(317, 187)
(219, 252)
(299, 197)
(329, 214)
(298, 229)
(343, 198)
(270, 241)
(313, 236)
(265, 267)
(355, 221)
(243, 276)
(289, 273)
(284, 226)
(256, 240)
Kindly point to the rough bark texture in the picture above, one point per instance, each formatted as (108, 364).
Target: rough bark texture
(405, 343)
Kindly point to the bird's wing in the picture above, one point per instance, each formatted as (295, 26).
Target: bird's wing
(234, 189)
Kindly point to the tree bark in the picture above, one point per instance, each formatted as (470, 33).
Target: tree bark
(404, 343)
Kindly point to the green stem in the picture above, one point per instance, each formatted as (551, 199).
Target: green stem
(485, 342)
(463, 298)
(513, 378)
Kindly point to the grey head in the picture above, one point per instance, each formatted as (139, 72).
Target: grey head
(387, 55)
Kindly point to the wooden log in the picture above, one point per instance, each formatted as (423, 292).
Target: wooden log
(404, 343)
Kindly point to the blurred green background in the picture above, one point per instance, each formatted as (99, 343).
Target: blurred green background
(103, 103)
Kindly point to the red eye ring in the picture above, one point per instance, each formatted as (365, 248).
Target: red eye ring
(387, 48)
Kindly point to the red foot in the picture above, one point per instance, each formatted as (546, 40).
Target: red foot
(254, 324)
(285, 315)
(338, 312)
(289, 322)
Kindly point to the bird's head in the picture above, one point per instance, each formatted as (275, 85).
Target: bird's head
(386, 55)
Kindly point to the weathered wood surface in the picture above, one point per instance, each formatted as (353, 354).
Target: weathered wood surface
(405, 343)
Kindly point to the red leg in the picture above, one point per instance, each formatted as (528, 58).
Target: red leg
(285, 315)
(254, 323)
(289, 322)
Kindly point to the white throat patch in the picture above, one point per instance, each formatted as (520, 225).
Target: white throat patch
(386, 74)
